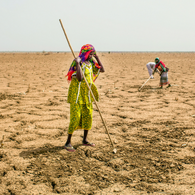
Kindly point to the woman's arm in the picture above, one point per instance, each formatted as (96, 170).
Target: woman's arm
(79, 74)
(99, 62)
(154, 71)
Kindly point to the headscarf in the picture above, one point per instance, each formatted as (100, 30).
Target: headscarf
(84, 54)
(85, 51)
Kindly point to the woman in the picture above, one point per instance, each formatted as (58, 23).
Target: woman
(79, 97)
(160, 66)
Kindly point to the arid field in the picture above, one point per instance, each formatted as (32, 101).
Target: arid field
(153, 130)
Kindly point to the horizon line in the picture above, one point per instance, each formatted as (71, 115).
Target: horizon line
(45, 51)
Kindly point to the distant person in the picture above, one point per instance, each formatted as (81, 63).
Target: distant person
(150, 66)
(163, 72)
(79, 97)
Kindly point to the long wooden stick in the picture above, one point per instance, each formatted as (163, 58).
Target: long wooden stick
(89, 88)
(144, 83)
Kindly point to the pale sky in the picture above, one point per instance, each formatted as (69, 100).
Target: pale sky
(109, 25)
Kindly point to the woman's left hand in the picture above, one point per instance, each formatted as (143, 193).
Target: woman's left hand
(99, 62)
(95, 56)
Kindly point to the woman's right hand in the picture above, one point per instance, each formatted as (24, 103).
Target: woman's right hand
(78, 60)
(79, 74)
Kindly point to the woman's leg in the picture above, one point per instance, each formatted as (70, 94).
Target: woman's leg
(68, 142)
(68, 145)
(85, 142)
(85, 137)
(73, 125)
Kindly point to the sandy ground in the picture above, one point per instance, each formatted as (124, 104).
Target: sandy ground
(153, 130)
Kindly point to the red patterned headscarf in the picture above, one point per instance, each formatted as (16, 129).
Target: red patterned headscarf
(85, 51)
(84, 54)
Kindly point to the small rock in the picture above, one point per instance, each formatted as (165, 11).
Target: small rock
(116, 190)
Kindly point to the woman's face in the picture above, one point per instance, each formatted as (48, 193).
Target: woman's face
(91, 55)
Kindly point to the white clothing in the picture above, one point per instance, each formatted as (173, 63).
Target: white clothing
(150, 66)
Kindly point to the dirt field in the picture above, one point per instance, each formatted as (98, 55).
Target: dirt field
(153, 130)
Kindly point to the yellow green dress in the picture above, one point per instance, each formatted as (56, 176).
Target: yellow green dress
(80, 99)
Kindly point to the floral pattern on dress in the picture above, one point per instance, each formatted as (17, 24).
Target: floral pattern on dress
(78, 91)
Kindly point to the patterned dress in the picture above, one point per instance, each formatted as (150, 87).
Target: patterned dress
(164, 73)
(80, 99)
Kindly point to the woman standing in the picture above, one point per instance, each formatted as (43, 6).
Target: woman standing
(79, 97)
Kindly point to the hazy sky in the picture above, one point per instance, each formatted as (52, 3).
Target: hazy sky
(109, 25)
